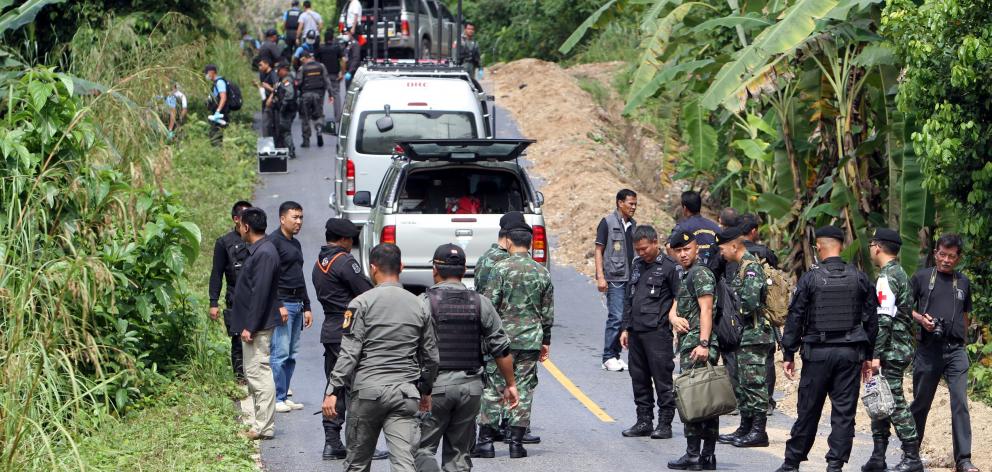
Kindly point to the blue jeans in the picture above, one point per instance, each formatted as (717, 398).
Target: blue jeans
(285, 346)
(615, 293)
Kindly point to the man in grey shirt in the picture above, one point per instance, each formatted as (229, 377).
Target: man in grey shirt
(389, 357)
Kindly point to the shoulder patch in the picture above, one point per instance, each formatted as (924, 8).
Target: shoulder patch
(346, 325)
(750, 273)
(355, 267)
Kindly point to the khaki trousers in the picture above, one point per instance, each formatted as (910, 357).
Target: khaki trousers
(261, 386)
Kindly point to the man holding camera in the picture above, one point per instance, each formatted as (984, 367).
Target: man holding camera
(942, 300)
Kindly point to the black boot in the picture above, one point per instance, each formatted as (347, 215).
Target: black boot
(516, 442)
(640, 429)
(503, 433)
(910, 458)
(484, 446)
(689, 461)
(740, 432)
(320, 140)
(757, 436)
(333, 447)
(707, 458)
(664, 429)
(876, 463)
(306, 143)
(787, 467)
(531, 438)
(835, 466)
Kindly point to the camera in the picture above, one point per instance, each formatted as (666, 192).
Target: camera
(939, 325)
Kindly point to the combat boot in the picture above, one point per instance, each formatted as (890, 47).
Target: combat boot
(757, 436)
(835, 466)
(689, 461)
(484, 446)
(320, 140)
(333, 447)
(707, 459)
(502, 434)
(741, 431)
(876, 463)
(305, 143)
(531, 438)
(641, 428)
(787, 467)
(517, 450)
(910, 458)
(664, 429)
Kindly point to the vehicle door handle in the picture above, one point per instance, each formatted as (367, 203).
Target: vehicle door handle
(461, 233)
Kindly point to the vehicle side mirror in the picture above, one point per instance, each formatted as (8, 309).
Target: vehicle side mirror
(540, 199)
(385, 123)
(363, 198)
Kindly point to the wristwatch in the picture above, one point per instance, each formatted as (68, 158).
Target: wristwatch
(705, 343)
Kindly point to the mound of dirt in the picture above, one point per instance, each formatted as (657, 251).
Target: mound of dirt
(576, 155)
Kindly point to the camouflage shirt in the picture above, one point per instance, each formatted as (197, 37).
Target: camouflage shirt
(523, 295)
(698, 281)
(895, 315)
(484, 267)
(749, 283)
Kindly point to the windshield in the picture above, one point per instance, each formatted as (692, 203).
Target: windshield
(412, 125)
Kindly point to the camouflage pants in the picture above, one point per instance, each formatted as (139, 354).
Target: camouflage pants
(752, 388)
(901, 418)
(525, 373)
(709, 429)
(312, 113)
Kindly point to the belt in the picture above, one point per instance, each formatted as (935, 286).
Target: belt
(292, 293)
(466, 372)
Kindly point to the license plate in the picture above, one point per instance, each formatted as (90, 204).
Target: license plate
(382, 32)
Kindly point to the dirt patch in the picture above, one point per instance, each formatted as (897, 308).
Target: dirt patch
(584, 153)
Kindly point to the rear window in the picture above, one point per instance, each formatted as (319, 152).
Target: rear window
(410, 125)
(461, 190)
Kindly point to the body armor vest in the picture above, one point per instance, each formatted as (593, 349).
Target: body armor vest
(457, 314)
(313, 77)
(292, 20)
(835, 304)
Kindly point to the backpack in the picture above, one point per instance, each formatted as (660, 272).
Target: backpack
(234, 99)
(777, 294)
(727, 323)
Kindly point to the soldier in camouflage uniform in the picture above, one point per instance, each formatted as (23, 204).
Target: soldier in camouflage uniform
(894, 349)
(521, 291)
(749, 284)
(697, 344)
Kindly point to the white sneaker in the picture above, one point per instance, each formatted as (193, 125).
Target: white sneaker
(289, 392)
(294, 405)
(613, 365)
(282, 407)
(624, 364)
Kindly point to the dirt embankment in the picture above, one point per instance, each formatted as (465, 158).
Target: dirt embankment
(585, 152)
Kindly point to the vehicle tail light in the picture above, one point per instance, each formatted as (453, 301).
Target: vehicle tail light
(539, 247)
(388, 235)
(405, 28)
(350, 178)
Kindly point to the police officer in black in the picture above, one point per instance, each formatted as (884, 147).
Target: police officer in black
(291, 22)
(338, 279)
(230, 252)
(647, 334)
(833, 318)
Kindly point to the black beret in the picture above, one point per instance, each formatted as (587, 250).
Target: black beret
(342, 228)
(680, 238)
(510, 218)
(830, 232)
(518, 226)
(729, 234)
(449, 254)
(887, 235)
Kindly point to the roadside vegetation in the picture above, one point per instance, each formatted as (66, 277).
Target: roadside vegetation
(109, 360)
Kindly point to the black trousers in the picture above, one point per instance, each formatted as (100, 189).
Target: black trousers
(333, 426)
(237, 355)
(651, 361)
(933, 361)
(828, 371)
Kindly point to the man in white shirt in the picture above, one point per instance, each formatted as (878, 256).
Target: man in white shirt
(310, 20)
(353, 17)
(176, 101)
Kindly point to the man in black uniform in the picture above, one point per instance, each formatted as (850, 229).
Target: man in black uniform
(230, 252)
(291, 22)
(331, 55)
(941, 298)
(270, 50)
(834, 318)
(314, 83)
(749, 225)
(647, 334)
(284, 105)
(337, 279)
(268, 79)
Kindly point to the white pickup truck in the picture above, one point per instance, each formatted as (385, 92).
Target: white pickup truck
(450, 191)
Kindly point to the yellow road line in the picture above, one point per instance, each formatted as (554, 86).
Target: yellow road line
(581, 397)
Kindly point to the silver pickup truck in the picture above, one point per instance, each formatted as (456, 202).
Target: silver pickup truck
(450, 191)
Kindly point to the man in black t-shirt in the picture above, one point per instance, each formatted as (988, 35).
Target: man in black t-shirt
(941, 304)
(331, 55)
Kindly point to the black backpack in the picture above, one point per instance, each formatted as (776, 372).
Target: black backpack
(234, 99)
(727, 322)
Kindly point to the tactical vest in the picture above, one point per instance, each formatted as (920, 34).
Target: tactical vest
(835, 302)
(616, 261)
(457, 314)
(292, 20)
(313, 77)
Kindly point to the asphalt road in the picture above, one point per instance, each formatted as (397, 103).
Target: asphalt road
(574, 438)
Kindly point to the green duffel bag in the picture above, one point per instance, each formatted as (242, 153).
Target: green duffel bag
(704, 393)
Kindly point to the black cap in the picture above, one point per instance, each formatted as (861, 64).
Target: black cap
(511, 217)
(518, 226)
(680, 238)
(830, 232)
(282, 65)
(729, 234)
(450, 255)
(342, 228)
(209, 67)
(887, 235)
(271, 32)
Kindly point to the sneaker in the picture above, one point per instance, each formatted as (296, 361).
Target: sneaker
(624, 364)
(294, 405)
(282, 407)
(613, 365)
